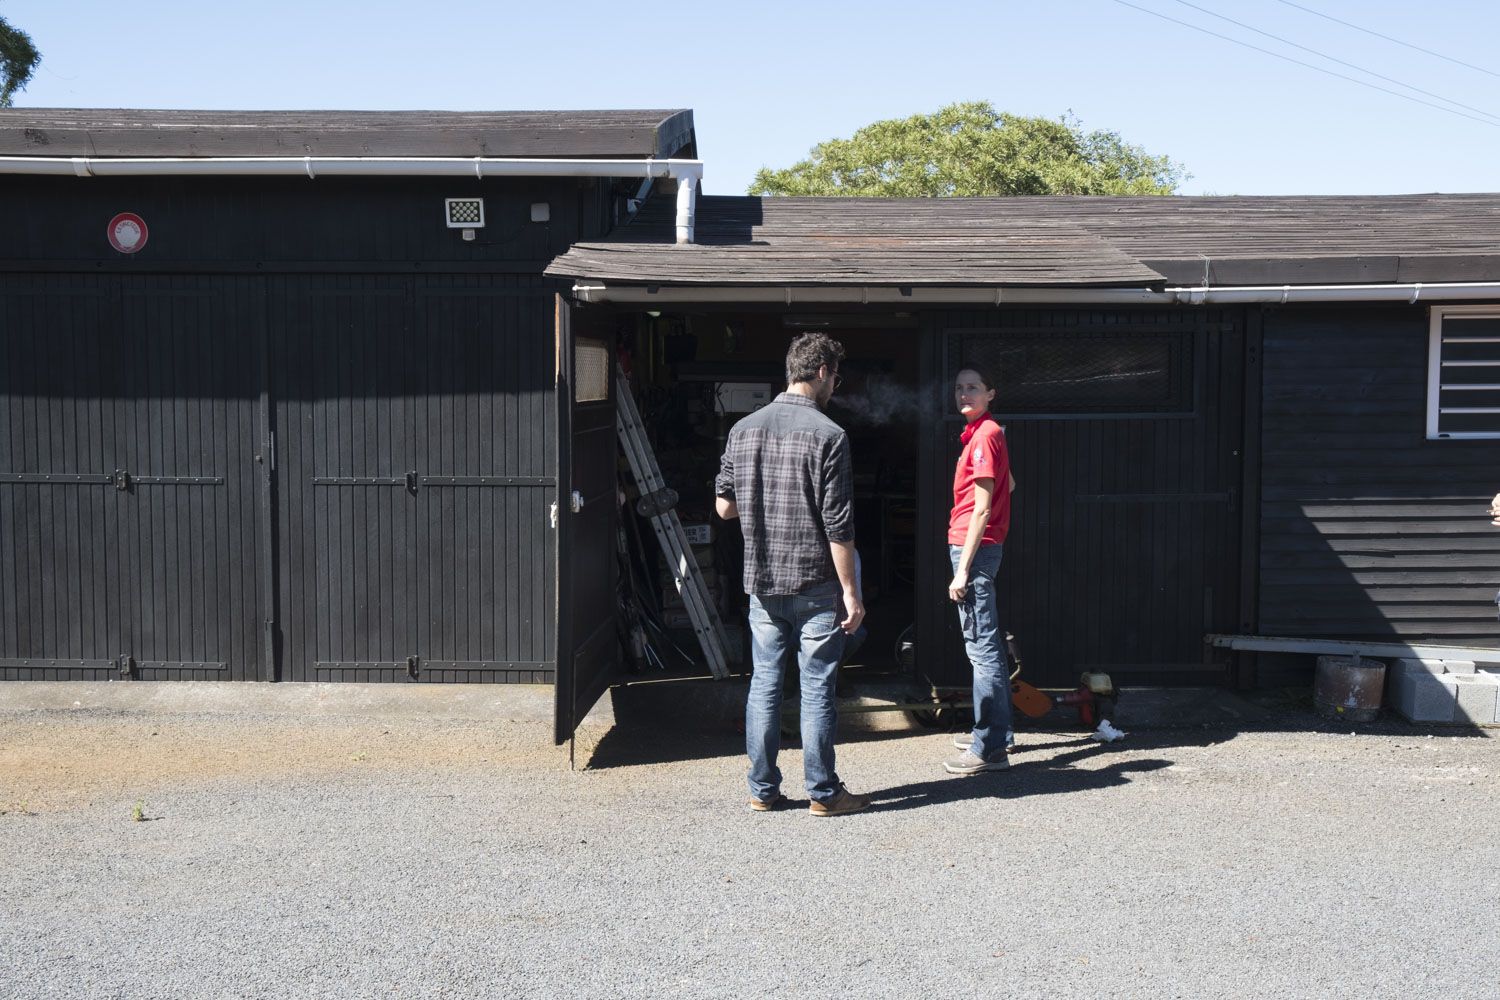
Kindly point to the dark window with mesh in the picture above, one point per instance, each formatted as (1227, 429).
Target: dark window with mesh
(1084, 373)
(1463, 393)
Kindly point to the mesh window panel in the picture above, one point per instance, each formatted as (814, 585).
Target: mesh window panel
(590, 371)
(1084, 373)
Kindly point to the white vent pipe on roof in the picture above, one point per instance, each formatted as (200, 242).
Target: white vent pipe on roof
(688, 173)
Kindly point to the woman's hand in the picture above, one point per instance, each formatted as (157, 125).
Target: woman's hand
(958, 586)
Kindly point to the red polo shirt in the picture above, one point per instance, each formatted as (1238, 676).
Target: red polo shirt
(983, 457)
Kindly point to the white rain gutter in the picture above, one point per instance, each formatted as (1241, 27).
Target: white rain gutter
(915, 294)
(687, 173)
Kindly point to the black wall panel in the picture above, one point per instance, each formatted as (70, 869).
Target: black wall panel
(1369, 530)
(1123, 549)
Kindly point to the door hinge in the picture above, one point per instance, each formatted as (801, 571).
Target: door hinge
(552, 514)
(126, 664)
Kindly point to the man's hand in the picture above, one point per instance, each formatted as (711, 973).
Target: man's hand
(957, 586)
(726, 508)
(854, 608)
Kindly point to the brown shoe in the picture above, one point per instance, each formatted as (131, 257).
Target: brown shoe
(841, 804)
(768, 805)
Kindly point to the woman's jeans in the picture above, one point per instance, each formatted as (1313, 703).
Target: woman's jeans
(810, 621)
(985, 644)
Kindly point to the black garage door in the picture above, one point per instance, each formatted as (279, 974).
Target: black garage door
(416, 428)
(131, 499)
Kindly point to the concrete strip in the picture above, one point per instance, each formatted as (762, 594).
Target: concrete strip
(482, 702)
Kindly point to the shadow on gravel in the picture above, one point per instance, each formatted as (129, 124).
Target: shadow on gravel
(638, 744)
(1028, 776)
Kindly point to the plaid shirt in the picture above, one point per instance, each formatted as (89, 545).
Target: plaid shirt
(787, 468)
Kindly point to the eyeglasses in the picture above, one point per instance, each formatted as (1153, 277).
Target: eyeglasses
(838, 380)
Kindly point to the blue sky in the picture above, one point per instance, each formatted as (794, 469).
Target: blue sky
(767, 81)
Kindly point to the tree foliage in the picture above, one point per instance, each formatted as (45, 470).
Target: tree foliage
(969, 149)
(18, 59)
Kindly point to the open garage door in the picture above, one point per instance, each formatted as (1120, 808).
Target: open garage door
(587, 647)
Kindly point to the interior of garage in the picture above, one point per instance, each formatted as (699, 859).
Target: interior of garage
(693, 373)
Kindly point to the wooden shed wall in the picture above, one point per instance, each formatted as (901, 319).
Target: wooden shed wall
(313, 383)
(230, 224)
(1368, 530)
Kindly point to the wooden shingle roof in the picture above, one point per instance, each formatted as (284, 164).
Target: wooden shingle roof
(137, 133)
(1054, 241)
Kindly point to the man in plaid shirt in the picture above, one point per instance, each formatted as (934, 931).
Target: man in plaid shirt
(786, 475)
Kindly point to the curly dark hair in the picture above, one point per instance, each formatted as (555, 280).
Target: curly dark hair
(809, 352)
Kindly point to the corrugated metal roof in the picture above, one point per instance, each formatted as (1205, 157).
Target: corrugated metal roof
(1058, 241)
(135, 132)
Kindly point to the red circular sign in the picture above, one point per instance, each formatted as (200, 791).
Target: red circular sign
(127, 232)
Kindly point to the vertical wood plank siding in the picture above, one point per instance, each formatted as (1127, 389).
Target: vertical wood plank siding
(1368, 530)
(1123, 548)
(416, 461)
(153, 377)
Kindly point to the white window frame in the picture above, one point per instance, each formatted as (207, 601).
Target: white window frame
(1435, 370)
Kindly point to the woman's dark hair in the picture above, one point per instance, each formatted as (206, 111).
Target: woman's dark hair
(808, 353)
(984, 376)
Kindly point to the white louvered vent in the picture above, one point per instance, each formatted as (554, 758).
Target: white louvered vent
(1463, 373)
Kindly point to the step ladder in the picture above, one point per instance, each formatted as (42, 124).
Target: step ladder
(659, 503)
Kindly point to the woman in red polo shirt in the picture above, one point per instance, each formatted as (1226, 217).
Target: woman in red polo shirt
(976, 535)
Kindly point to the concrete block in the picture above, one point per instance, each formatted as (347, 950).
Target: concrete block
(1458, 666)
(1477, 696)
(1406, 663)
(1424, 697)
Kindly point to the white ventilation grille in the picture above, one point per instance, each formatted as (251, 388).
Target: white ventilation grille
(464, 213)
(590, 371)
(1463, 374)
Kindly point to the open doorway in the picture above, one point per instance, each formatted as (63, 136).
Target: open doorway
(693, 374)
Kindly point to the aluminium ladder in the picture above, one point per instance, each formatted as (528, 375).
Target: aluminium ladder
(660, 503)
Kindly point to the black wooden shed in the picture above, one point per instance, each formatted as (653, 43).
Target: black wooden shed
(278, 391)
(1227, 415)
(330, 397)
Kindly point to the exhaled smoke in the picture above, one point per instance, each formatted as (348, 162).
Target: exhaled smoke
(884, 401)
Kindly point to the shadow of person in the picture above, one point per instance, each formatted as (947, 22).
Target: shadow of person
(1030, 777)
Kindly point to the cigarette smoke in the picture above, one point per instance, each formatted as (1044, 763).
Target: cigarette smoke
(884, 401)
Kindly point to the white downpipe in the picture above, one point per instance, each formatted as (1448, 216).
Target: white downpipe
(912, 295)
(687, 208)
(688, 173)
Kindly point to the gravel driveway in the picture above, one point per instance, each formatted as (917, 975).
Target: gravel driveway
(361, 857)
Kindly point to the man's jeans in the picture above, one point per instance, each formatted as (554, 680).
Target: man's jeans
(985, 644)
(810, 621)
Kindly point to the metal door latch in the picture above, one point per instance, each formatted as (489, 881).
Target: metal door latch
(121, 479)
(413, 666)
(411, 481)
(577, 501)
(126, 664)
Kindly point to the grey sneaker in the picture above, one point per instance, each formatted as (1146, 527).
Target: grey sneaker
(962, 741)
(968, 763)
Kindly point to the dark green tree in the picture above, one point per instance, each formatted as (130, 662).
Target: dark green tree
(970, 149)
(18, 59)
